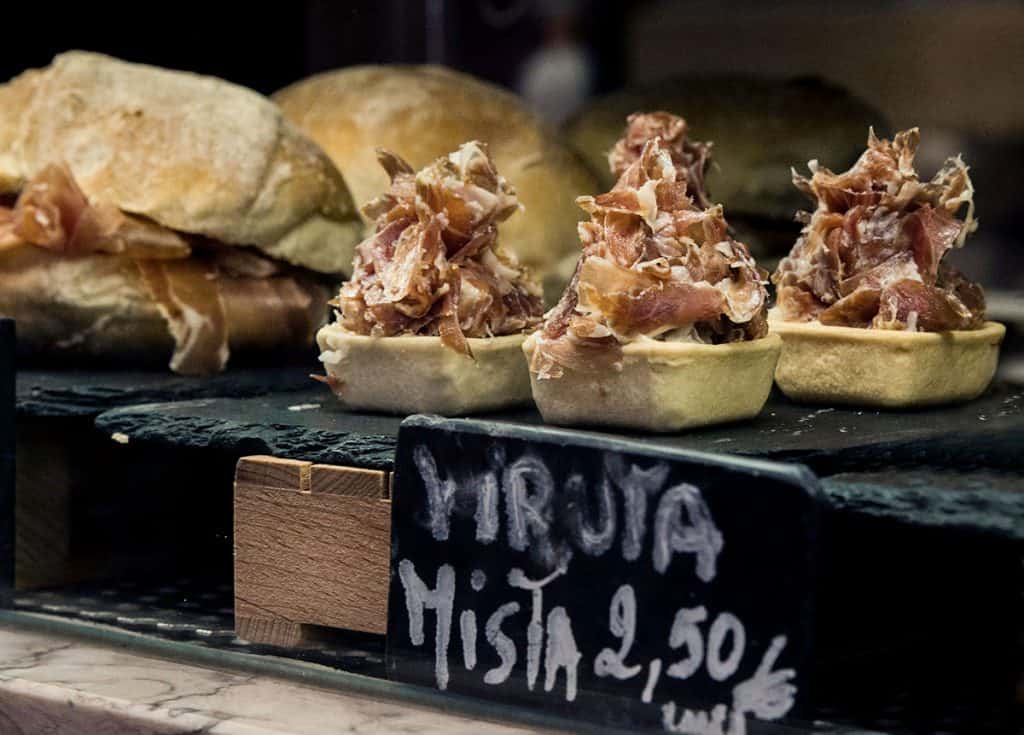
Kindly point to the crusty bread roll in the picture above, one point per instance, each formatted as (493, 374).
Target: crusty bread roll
(201, 207)
(417, 374)
(663, 386)
(422, 112)
(884, 367)
(195, 154)
(98, 308)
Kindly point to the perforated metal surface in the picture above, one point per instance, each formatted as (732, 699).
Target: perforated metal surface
(195, 610)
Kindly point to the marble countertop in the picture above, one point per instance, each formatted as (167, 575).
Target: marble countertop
(51, 684)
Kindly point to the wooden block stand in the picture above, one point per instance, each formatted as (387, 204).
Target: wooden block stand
(312, 548)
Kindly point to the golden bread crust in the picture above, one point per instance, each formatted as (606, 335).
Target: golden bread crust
(193, 153)
(423, 112)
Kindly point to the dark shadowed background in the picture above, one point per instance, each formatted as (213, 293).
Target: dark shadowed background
(954, 69)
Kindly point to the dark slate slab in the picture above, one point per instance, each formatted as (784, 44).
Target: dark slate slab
(987, 502)
(308, 425)
(926, 533)
(90, 392)
(982, 434)
(976, 445)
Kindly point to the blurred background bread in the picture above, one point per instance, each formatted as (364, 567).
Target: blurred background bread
(210, 222)
(422, 112)
(951, 68)
(193, 153)
(759, 128)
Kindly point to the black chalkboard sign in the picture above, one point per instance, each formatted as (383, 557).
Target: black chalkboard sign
(606, 580)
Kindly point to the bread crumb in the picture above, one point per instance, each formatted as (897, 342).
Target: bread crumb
(119, 437)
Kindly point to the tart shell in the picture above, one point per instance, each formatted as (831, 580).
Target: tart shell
(415, 374)
(884, 368)
(663, 386)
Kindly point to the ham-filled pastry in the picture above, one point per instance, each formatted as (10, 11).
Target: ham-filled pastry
(663, 325)
(434, 315)
(869, 311)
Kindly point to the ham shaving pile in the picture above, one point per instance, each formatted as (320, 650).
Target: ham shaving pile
(654, 265)
(690, 157)
(52, 212)
(186, 275)
(434, 265)
(871, 253)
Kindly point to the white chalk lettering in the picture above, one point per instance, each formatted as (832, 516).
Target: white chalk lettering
(467, 631)
(635, 484)
(561, 653)
(653, 673)
(700, 537)
(527, 510)
(593, 539)
(698, 723)
(622, 622)
(440, 493)
(478, 579)
(686, 633)
(486, 516)
(724, 625)
(535, 629)
(682, 521)
(529, 490)
(441, 599)
(767, 695)
(548, 519)
(501, 643)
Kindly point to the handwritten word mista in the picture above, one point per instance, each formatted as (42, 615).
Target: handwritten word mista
(716, 652)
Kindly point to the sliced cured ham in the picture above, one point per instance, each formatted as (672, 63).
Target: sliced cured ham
(52, 212)
(210, 295)
(434, 265)
(657, 263)
(187, 294)
(692, 158)
(871, 253)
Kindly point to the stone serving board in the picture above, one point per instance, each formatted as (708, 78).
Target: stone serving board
(310, 425)
(51, 393)
(953, 466)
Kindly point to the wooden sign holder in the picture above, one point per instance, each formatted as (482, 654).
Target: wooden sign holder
(312, 547)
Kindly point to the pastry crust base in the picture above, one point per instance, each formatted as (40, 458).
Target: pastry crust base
(663, 386)
(413, 374)
(890, 369)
